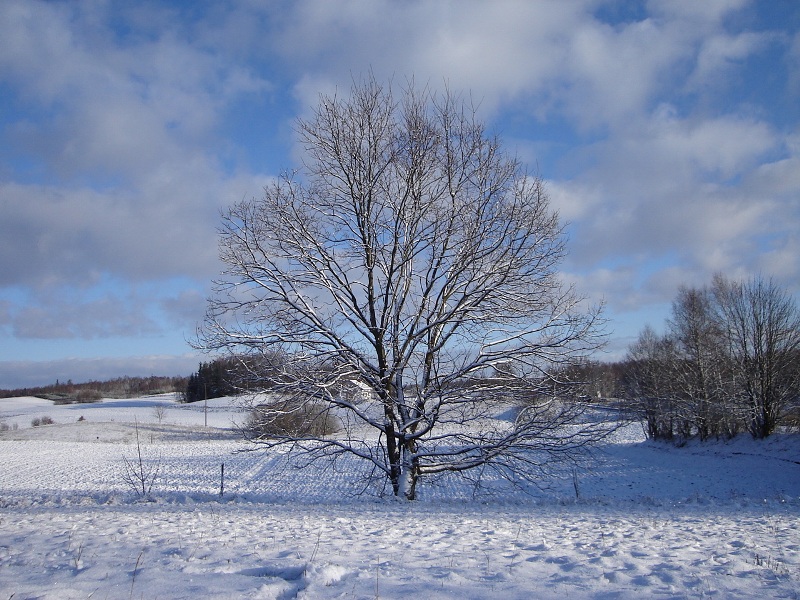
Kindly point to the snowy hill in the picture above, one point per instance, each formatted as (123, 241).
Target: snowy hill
(643, 519)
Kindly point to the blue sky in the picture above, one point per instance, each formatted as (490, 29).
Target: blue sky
(668, 133)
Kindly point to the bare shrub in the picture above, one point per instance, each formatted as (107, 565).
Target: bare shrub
(60, 399)
(82, 396)
(38, 421)
(88, 396)
(159, 412)
(728, 363)
(791, 418)
(290, 417)
(139, 473)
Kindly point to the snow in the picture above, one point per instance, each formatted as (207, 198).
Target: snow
(644, 519)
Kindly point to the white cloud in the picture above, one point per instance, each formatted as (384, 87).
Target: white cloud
(111, 316)
(613, 73)
(720, 54)
(672, 168)
(55, 235)
(720, 147)
(186, 308)
(546, 58)
(499, 51)
(782, 260)
(106, 309)
(793, 60)
(128, 147)
(573, 200)
(120, 109)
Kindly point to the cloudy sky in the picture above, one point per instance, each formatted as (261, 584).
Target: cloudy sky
(668, 132)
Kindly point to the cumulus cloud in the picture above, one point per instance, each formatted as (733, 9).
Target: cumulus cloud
(498, 51)
(127, 147)
(185, 308)
(553, 57)
(56, 235)
(104, 317)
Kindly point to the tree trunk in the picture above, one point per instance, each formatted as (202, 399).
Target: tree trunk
(409, 472)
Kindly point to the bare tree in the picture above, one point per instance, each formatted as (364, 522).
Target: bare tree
(648, 383)
(411, 259)
(762, 325)
(701, 374)
(159, 412)
(730, 361)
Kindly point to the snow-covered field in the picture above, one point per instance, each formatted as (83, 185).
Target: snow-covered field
(645, 520)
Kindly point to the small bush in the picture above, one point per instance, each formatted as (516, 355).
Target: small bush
(88, 396)
(159, 411)
(42, 421)
(791, 418)
(4, 426)
(293, 419)
(59, 399)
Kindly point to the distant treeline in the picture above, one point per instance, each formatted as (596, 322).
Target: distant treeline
(121, 387)
(232, 375)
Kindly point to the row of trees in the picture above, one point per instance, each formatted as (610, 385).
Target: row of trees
(728, 362)
(120, 387)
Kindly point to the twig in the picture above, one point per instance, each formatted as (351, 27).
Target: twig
(77, 558)
(135, 570)
(575, 483)
(316, 546)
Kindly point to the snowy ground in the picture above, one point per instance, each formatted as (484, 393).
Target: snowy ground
(648, 520)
